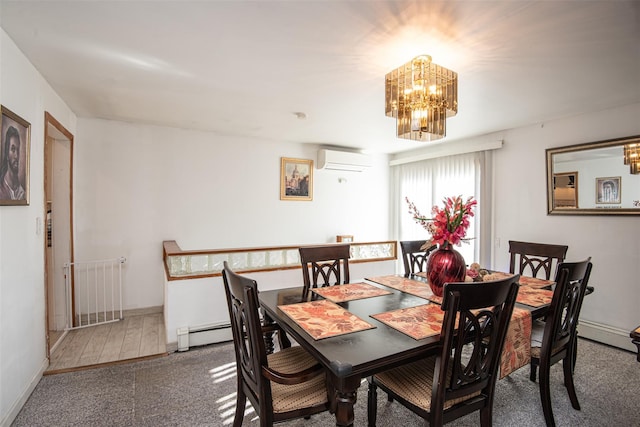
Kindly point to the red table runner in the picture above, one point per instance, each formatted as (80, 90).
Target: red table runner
(349, 292)
(516, 352)
(324, 319)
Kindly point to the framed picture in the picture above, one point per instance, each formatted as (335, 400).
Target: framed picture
(344, 238)
(14, 159)
(608, 190)
(296, 179)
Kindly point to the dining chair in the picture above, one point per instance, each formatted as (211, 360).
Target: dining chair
(414, 257)
(324, 265)
(555, 339)
(281, 386)
(538, 257)
(461, 377)
(635, 339)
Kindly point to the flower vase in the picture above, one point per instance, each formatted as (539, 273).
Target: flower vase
(445, 265)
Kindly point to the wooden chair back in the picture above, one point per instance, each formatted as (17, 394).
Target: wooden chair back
(414, 258)
(249, 346)
(325, 265)
(535, 258)
(293, 387)
(562, 321)
(559, 339)
(473, 334)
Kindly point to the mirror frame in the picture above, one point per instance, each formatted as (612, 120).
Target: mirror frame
(550, 152)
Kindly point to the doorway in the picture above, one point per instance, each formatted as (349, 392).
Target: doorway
(58, 191)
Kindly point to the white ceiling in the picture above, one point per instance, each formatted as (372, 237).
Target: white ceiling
(245, 67)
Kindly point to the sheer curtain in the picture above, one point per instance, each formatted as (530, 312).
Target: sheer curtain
(426, 183)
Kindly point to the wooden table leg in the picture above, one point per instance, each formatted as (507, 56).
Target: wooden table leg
(268, 337)
(345, 398)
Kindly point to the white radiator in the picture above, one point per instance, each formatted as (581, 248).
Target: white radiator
(615, 337)
(204, 334)
(96, 294)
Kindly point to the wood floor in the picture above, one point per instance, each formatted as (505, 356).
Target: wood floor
(134, 337)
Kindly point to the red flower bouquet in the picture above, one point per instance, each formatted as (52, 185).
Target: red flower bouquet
(448, 225)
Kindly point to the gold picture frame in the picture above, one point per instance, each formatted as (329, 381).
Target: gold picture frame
(296, 179)
(15, 154)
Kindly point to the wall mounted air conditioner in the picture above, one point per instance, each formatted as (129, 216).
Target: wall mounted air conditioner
(342, 160)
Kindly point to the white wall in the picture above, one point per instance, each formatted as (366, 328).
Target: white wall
(613, 242)
(22, 237)
(137, 185)
(202, 302)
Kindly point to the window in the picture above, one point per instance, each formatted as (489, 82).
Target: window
(428, 182)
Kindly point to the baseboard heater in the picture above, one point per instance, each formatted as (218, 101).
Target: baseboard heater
(605, 334)
(195, 336)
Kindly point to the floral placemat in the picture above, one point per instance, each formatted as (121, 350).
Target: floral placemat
(350, 291)
(418, 322)
(426, 320)
(324, 319)
(403, 284)
(534, 297)
(532, 282)
(516, 352)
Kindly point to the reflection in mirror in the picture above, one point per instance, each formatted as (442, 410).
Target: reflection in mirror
(565, 190)
(609, 174)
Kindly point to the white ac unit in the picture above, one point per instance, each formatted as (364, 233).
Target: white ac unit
(342, 160)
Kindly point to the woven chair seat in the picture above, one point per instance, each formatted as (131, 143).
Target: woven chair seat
(537, 333)
(292, 397)
(414, 383)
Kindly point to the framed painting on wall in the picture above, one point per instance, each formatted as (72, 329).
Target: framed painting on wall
(608, 190)
(14, 159)
(296, 179)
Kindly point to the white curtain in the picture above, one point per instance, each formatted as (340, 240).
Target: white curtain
(426, 183)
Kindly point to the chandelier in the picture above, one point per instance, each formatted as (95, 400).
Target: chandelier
(632, 157)
(421, 95)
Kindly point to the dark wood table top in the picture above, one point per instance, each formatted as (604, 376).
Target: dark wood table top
(364, 352)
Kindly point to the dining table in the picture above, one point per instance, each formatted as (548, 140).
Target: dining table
(350, 328)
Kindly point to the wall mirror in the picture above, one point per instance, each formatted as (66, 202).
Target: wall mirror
(596, 178)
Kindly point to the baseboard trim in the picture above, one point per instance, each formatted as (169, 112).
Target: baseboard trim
(609, 335)
(19, 403)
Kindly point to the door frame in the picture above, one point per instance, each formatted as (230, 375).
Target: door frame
(50, 120)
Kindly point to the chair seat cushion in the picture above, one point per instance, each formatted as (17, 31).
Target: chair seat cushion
(292, 397)
(537, 333)
(414, 382)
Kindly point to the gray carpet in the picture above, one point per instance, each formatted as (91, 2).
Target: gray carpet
(197, 388)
